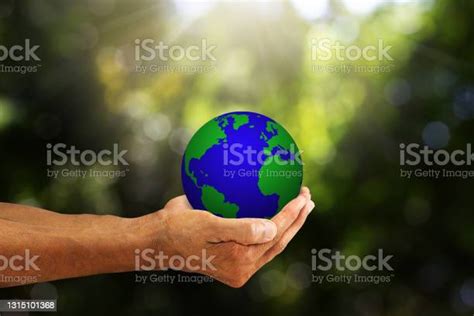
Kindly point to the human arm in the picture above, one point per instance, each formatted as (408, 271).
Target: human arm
(79, 245)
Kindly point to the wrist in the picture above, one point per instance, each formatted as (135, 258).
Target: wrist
(145, 236)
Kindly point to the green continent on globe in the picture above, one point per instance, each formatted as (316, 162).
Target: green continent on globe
(241, 164)
(214, 200)
(207, 136)
(274, 166)
(239, 120)
(286, 189)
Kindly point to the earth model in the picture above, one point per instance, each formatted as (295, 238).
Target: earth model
(241, 164)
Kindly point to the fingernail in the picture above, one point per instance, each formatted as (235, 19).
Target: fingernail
(269, 230)
(311, 207)
(305, 191)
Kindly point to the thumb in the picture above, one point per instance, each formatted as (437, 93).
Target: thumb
(246, 231)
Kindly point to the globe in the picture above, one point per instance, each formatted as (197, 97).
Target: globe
(241, 164)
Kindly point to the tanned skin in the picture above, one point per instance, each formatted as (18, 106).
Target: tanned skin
(70, 246)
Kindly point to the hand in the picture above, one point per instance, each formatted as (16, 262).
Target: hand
(238, 247)
(66, 246)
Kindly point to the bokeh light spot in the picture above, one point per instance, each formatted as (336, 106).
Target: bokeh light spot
(436, 135)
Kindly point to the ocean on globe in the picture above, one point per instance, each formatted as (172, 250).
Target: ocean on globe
(241, 164)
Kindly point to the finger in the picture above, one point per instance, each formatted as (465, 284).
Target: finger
(281, 244)
(258, 231)
(290, 212)
(246, 231)
(305, 191)
(284, 220)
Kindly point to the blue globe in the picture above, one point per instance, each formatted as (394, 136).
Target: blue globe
(241, 164)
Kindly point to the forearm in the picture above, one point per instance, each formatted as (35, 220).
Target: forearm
(37, 216)
(73, 251)
(57, 247)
